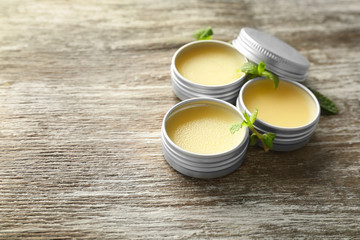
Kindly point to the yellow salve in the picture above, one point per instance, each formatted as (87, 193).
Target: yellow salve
(287, 106)
(204, 129)
(210, 64)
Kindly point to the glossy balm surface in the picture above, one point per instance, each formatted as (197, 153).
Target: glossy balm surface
(204, 129)
(287, 106)
(210, 64)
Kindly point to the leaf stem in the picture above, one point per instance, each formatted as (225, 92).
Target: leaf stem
(266, 139)
(260, 137)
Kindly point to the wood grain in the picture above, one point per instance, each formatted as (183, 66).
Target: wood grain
(84, 86)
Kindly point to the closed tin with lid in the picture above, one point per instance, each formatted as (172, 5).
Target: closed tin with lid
(279, 57)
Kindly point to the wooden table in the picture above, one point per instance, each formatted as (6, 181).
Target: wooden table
(84, 86)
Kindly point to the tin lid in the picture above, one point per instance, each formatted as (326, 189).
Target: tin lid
(279, 57)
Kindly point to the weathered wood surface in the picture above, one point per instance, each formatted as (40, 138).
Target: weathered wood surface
(84, 86)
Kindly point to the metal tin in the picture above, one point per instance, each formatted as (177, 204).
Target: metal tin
(287, 138)
(185, 89)
(279, 57)
(202, 165)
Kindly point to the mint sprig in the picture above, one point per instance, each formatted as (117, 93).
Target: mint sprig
(203, 34)
(266, 139)
(253, 71)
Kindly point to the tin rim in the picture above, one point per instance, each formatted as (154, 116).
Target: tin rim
(289, 136)
(220, 160)
(279, 134)
(199, 174)
(197, 85)
(190, 93)
(186, 95)
(290, 147)
(204, 167)
(286, 129)
(203, 99)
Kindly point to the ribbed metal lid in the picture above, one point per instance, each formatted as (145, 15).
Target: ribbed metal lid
(279, 57)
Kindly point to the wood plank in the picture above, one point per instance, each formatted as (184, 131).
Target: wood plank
(84, 86)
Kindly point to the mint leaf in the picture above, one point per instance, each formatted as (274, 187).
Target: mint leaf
(250, 68)
(327, 106)
(203, 34)
(253, 71)
(272, 77)
(254, 116)
(247, 119)
(253, 139)
(269, 139)
(261, 67)
(235, 127)
(251, 76)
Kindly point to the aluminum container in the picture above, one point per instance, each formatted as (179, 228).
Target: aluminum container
(287, 138)
(279, 57)
(185, 89)
(202, 165)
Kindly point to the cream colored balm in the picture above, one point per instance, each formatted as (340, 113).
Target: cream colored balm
(204, 129)
(210, 64)
(287, 106)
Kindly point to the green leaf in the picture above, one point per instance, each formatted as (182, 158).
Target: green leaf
(253, 139)
(327, 106)
(253, 71)
(251, 76)
(203, 34)
(272, 77)
(265, 139)
(236, 127)
(261, 67)
(247, 119)
(269, 139)
(254, 116)
(250, 68)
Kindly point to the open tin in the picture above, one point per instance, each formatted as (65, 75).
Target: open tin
(203, 165)
(184, 88)
(287, 138)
